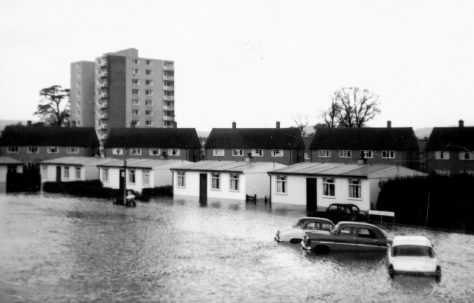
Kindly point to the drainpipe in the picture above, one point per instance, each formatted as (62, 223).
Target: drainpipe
(124, 175)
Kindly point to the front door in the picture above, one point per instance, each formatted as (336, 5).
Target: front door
(311, 197)
(202, 188)
(122, 180)
(58, 173)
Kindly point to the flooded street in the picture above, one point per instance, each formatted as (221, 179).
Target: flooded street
(67, 249)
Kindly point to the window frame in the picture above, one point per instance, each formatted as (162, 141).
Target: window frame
(181, 177)
(218, 152)
(33, 149)
(145, 177)
(132, 176)
(78, 172)
(277, 153)
(324, 153)
(105, 175)
(72, 150)
(258, 152)
(329, 187)
(234, 182)
(389, 154)
(355, 188)
(176, 152)
(215, 181)
(237, 153)
(345, 154)
(53, 149)
(281, 184)
(66, 174)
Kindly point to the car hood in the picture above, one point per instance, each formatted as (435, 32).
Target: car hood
(415, 264)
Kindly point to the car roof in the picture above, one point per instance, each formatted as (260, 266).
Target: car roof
(411, 240)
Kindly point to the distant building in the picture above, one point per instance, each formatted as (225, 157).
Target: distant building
(153, 143)
(280, 145)
(33, 144)
(315, 186)
(121, 89)
(7, 164)
(372, 145)
(450, 150)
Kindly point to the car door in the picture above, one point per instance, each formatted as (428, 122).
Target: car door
(368, 240)
(345, 239)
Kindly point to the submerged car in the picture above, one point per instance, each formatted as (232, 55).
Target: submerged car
(295, 233)
(413, 255)
(347, 236)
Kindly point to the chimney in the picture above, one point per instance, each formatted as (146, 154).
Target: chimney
(461, 123)
(234, 125)
(28, 123)
(389, 124)
(278, 124)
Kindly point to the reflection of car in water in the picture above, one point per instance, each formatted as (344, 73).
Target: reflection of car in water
(346, 236)
(412, 255)
(295, 233)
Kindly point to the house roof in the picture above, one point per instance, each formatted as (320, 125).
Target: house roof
(153, 137)
(262, 138)
(367, 138)
(8, 160)
(77, 161)
(145, 163)
(18, 135)
(230, 166)
(346, 170)
(451, 138)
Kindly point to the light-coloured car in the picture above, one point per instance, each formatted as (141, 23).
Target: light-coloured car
(413, 255)
(295, 233)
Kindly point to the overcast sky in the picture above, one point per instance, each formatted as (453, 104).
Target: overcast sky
(255, 62)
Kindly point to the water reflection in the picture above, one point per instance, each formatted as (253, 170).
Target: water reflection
(57, 249)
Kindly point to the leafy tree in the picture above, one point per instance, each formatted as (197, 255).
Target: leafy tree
(54, 105)
(351, 107)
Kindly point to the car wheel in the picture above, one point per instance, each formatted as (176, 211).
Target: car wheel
(438, 274)
(391, 272)
(295, 241)
(321, 249)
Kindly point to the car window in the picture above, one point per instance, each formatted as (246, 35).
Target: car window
(332, 208)
(310, 225)
(346, 231)
(325, 226)
(355, 209)
(366, 233)
(412, 251)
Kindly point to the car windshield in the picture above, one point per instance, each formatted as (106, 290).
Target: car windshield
(412, 251)
(300, 223)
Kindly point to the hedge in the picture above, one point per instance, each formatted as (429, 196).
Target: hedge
(92, 188)
(432, 201)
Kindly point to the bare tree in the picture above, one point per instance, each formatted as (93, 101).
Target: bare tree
(54, 105)
(301, 122)
(351, 107)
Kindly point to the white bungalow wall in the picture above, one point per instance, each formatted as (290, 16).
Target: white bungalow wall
(191, 184)
(296, 192)
(48, 174)
(257, 184)
(156, 178)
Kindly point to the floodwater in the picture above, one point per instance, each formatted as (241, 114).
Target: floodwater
(55, 248)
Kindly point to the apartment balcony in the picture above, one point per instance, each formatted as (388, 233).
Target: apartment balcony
(102, 94)
(102, 115)
(102, 82)
(102, 104)
(168, 66)
(170, 78)
(168, 118)
(103, 127)
(168, 107)
(168, 98)
(102, 61)
(168, 87)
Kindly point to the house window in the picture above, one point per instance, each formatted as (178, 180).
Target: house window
(277, 153)
(135, 151)
(135, 81)
(237, 152)
(173, 152)
(44, 172)
(146, 177)
(53, 149)
(148, 62)
(135, 71)
(135, 102)
(135, 112)
(131, 176)
(465, 155)
(105, 175)
(117, 151)
(135, 61)
(345, 154)
(155, 152)
(368, 154)
(148, 113)
(33, 149)
(78, 173)
(234, 182)
(148, 92)
(148, 102)
(12, 149)
(149, 82)
(72, 150)
(181, 179)
(134, 91)
(148, 72)
(329, 187)
(218, 152)
(355, 188)
(66, 172)
(257, 153)
(324, 153)
(442, 155)
(281, 184)
(215, 181)
(388, 154)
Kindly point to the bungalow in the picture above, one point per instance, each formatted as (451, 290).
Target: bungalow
(223, 179)
(153, 143)
(33, 144)
(317, 185)
(141, 173)
(7, 164)
(71, 169)
(372, 145)
(281, 145)
(450, 150)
